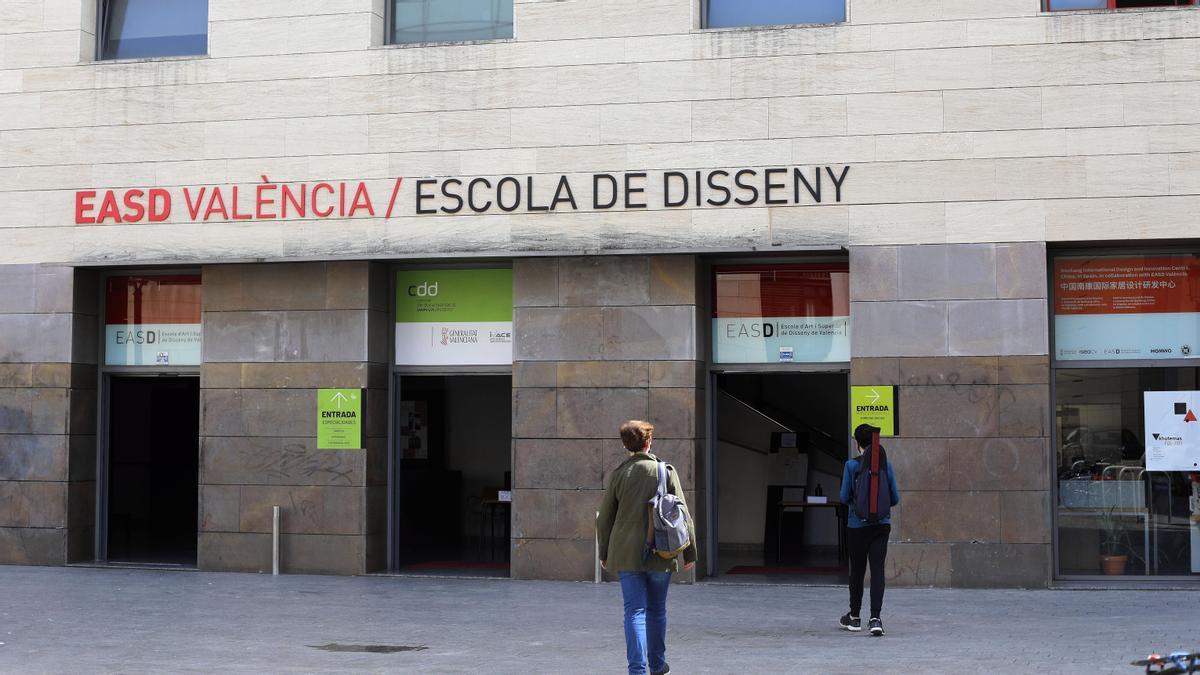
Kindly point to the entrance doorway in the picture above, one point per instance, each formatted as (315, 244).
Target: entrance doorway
(781, 442)
(453, 458)
(153, 469)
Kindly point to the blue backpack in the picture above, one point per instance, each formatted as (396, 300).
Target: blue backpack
(872, 491)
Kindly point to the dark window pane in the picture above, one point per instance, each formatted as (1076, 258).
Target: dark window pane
(145, 28)
(1078, 4)
(451, 20)
(730, 13)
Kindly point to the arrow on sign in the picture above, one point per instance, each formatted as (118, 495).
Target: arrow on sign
(338, 398)
(873, 397)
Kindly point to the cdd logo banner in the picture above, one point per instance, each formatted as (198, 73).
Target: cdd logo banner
(454, 317)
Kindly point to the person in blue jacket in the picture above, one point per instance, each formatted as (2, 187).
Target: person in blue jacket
(867, 541)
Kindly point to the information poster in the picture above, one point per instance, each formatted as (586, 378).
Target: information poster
(1172, 430)
(1127, 308)
(454, 317)
(876, 406)
(152, 321)
(339, 419)
(782, 314)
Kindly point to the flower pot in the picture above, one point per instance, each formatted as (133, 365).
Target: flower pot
(1114, 565)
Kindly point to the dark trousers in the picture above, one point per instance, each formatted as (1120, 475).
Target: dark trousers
(867, 545)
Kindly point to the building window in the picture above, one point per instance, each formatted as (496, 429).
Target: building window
(138, 29)
(734, 13)
(415, 21)
(1060, 5)
(152, 320)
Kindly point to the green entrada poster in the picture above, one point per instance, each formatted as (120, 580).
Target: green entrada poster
(339, 419)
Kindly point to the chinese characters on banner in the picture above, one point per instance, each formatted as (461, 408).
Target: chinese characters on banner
(1127, 308)
(782, 314)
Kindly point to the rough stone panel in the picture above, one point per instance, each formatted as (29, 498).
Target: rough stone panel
(33, 546)
(673, 412)
(921, 464)
(221, 376)
(33, 504)
(1021, 270)
(918, 565)
(951, 371)
(277, 461)
(876, 371)
(948, 412)
(18, 289)
(599, 413)
(1025, 517)
(304, 509)
(604, 281)
(263, 412)
(322, 554)
(561, 464)
(673, 280)
(947, 272)
(535, 374)
(234, 552)
(676, 374)
(297, 336)
(348, 285)
(535, 514)
(998, 328)
(535, 282)
(377, 461)
(555, 559)
(551, 334)
(679, 453)
(84, 346)
(81, 521)
(535, 413)
(874, 273)
(1024, 370)
(50, 411)
(998, 464)
(1024, 410)
(274, 287)
(349, 375)
(935, 517)
(33, 457)
(219, 508)
(898, 329)
(649, 333)
(603, 374)
(1000, 565)
(83, 408)
(16, 375)
(62, 375)
(577, 513)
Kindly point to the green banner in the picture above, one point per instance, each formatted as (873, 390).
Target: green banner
(876, 406)
(339, 419)
(453, 296)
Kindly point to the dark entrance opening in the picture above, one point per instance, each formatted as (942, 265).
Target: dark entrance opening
(454, 474)
(782, 440)
(153, 469)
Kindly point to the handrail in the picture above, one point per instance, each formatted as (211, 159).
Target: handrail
(758, 412)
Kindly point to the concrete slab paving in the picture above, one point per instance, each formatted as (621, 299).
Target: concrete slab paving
(142, 621)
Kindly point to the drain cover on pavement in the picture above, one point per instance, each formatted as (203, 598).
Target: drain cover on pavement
(372, 649)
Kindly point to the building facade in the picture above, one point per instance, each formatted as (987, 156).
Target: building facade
(504, 236)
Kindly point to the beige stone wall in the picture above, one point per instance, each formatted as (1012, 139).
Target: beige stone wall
(964, 121)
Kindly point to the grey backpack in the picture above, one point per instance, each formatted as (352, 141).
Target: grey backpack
(667, 534)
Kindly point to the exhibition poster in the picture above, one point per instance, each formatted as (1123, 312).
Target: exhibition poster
(1172, 430)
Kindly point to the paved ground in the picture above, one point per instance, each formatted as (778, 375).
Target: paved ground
(112, 620)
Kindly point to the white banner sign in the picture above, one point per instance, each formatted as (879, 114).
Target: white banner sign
(152, 344)
(1172, 430)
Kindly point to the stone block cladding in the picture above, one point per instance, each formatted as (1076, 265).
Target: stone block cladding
(598, 340)
(47, 414)
(273, 335)
(961, 329)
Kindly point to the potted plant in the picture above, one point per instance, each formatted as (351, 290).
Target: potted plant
(1115, 548)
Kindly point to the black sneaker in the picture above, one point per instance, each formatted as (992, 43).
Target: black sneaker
(853, 623)
(876, 627)
(666, 669)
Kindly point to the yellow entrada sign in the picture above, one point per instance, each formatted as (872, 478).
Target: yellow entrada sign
(875, 406)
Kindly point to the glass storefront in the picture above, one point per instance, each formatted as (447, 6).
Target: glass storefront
(1127, 438)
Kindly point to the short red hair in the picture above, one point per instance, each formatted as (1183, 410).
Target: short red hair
(635, 434)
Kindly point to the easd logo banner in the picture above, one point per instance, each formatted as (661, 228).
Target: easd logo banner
(454, 317)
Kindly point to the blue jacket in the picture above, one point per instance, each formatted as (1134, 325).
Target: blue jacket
(847, 497)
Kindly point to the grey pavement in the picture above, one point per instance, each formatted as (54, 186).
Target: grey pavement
(134, 621)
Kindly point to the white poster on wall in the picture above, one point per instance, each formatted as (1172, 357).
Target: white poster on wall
(1172, 430)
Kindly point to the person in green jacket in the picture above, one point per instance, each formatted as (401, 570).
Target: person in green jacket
(623, 528)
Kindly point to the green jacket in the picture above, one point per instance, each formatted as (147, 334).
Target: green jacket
(624, 517)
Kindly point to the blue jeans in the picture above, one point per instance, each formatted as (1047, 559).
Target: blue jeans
(645, 596)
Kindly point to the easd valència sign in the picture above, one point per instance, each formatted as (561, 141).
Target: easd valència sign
(449, 195)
